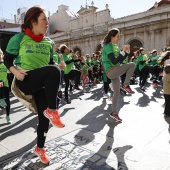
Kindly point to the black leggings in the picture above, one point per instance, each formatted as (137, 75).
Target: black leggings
(73, 74)
(10, 77)
(43, 84)
(106, 85)
(123, 77)
(155, 73)
(144, 74)
(4, 93)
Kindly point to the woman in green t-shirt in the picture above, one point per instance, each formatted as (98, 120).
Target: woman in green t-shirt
(112, 58)
(144, 68)
(35, 72)
(4, 88)
(70, 73)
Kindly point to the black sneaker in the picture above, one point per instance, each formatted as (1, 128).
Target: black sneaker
(70, 92)
(122, 91)
(143, 89)
(60, 95)
(77, 88)
(67, 101)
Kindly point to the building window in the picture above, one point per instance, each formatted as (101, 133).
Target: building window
(99, 47)
(135, 43)
(77, 49)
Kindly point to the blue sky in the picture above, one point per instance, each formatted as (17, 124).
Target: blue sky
(118, 8)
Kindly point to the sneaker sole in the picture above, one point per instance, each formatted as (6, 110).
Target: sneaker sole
(115, 119)
(123, 92)
(40, 158)
(51, 121)
(67, 102)
(127, 91)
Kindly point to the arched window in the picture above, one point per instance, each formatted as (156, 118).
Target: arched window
(98, 48)
(134, 46)
(135, 43)
(169, 42)
(77, 49)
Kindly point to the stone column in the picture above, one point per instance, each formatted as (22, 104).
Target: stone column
(152, 40)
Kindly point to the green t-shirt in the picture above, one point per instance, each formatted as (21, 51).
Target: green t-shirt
(88, 62)
(3, 74)
(69, 67)
(135, 60)
(85, 69)
(142, 57)
(95, 63)
(107, 49)
(56, 57)
(30, 54)
(154, 62)
(125, 61)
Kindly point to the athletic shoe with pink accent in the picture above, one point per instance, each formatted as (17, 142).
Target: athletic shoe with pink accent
(154, 84)
(54, 118)
(42, 155)
(116, 117)
(128, 89)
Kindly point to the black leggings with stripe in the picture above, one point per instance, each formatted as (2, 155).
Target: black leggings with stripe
(43, 84)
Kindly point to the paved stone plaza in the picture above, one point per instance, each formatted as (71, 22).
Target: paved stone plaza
(92, 140)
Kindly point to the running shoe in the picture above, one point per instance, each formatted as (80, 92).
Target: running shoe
(122, 91)
(67, 101)
(128, 89)
(77, 88)
(116, 117)
(105, 95)
(70, 92)
(84, 90)
(8, 120)
(110, 98)
(155, 85)
(54, 118)
(42, 155)
(143, 89)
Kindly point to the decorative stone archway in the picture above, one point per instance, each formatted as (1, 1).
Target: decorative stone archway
(98, 48)
(168, 42)
(135, 44)
(77, 49)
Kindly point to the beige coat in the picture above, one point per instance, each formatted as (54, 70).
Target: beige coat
(166, 84)
(27, 100)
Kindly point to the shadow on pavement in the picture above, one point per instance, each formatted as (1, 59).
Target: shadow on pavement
(96, 119)
(26, 125)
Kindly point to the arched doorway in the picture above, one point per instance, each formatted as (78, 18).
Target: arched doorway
(77, 49)
(134, 46)
(98, 48)
(168, 44)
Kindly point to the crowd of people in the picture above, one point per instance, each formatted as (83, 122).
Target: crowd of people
(40, 69)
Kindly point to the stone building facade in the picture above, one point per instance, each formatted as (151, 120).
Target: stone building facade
(85, 30)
